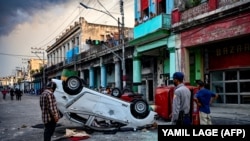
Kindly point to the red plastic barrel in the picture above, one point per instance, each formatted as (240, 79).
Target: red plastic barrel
(163, 101)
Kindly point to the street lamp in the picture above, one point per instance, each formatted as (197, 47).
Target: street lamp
(122, 34)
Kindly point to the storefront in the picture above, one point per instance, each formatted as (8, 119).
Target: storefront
(219, 54)
(229, 70)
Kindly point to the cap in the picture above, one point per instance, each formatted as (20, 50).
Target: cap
(178, 76)
(51, 85)
(201, 83)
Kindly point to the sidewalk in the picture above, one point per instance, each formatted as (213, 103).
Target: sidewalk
(231, 111)
(225, 114)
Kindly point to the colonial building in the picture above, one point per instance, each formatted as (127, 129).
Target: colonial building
(154, 54)
(213, 45)
(93, 50)
(35, 73)
(205, 39)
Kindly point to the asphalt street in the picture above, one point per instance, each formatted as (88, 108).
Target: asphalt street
(21, 121)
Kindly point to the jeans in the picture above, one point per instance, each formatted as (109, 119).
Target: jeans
(49, 130)
(187, 120)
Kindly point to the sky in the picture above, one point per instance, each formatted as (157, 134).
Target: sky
(29, 24)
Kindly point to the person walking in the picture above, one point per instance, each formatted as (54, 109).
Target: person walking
(50, 113)
(12, 94)
(19, 94)
(4, 92)
(16, 93)
(181, 101)
(204, 98)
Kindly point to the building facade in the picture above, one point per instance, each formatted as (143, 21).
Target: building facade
(94, 51)
(206, 39)
(154, 54)
(214, 47)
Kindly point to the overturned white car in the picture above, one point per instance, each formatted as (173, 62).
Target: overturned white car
(99, 111)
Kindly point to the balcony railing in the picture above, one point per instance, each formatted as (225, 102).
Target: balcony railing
(94, 51)
(203, 8)
(161, 21)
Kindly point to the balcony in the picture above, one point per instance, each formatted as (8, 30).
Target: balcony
(154, 28)
(206, 12)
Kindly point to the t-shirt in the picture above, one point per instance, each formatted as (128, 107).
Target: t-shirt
(204, 96)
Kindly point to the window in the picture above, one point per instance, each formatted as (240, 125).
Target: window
(231, 75)
(245, 74)
(244, 87)
(161, 6)
(233, 86)
(217, 76)
(231, 99)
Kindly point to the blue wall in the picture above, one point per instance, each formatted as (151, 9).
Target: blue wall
(71, 54)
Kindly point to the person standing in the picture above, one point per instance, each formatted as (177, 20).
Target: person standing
(181, 101)
(4, 92)
(136, 22)
(145, 17)
(16, 93)
(204, 98)
(12, 94)
(19, 94)
(50, 113)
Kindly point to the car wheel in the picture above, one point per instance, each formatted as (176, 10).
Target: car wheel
(116, 92)
(73, 85)
(139, 108)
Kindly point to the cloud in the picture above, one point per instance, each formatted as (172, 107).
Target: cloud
(13, 12)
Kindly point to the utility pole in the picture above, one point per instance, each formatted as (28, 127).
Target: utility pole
(122, 36)
(25, 61)
(123, 46)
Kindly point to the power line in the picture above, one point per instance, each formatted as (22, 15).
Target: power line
(56, 30)
(15, 55)
(20, 55)
(94, 3)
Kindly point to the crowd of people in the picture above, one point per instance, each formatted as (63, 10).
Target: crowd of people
(144, 18)
(13, 92)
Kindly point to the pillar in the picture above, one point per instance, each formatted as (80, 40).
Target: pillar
(103, 76)
(91, 78)
(117, 73)
(136, 70)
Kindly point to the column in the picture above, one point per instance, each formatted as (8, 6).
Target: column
(59, 55)
(117, 73)
(136, 69)
(103, 76)
(91, 78)
(63, 54)
(172, 62)
(81, 74)
(172, 44)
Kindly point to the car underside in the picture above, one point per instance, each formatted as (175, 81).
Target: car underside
(98, 111)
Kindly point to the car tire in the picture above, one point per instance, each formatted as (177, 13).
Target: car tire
(116, 92)
(139, 108)
(73, 85)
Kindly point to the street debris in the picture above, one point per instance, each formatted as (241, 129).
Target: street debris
(76, 135)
